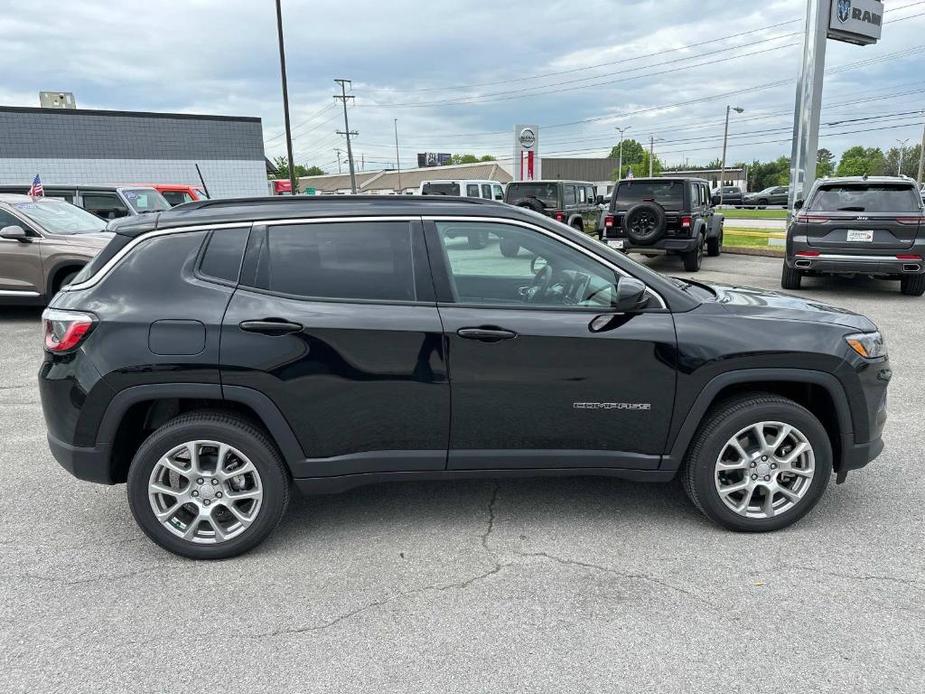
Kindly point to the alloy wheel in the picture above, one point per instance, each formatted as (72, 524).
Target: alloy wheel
(205, 492)
(765, 470)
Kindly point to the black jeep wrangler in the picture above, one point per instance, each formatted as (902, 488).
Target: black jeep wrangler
(575, 203)
(657, 216)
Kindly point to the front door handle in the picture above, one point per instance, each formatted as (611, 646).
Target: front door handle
(486, 334)
(270, 326)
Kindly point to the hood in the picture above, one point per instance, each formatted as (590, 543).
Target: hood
(764, 303)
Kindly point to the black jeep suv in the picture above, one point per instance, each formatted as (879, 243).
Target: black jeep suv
(571, 202)
(672, 216)
(218, 354)
(859, 226)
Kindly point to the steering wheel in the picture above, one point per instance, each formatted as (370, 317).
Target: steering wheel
(538, 286)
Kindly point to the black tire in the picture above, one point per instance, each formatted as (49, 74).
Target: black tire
(715, 245)
(762, 204)
(530, 204)
(693, 260)
(509, 248)
(478, 239)
(912, 285)
(645, 223)
(223, 428)
(720, 425)
(578, 225)
(790, 278)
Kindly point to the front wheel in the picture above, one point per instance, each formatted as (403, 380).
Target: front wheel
(759, 462)
(912, 285)
(207, 485)
(715, 245)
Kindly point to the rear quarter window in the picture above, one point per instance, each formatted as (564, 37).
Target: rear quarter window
(223, 254)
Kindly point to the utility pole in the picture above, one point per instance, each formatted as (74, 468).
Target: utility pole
(337, 151)
(921, 159)
(620, 165)
(346, 131)
(397, 157)
(282, 69)
(651, 153)
(722, 174)
(902, 154)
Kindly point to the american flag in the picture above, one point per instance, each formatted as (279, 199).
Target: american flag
(37, 188)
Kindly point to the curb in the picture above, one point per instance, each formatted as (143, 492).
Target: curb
(753, 251)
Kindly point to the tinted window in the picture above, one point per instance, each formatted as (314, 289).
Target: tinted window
(105, 205)
(666, 193)
(368, 260)
(472, 190)
(873, 197)
(486, 191)
(177, 197)
(546, 193)
(222, 258)
(570, 197)
(8, 220)
(499, 193)
(440, 189)
(529, 270)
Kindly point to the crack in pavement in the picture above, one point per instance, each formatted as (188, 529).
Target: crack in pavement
(857, 577)
(89, 579)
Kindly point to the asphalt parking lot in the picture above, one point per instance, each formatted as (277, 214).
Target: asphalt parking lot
(523, 585)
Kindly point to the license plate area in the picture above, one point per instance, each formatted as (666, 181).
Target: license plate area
(862, 235)
(615, 243)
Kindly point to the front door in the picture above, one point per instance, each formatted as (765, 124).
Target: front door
(336, 323)
(20, 262)
(543, 374)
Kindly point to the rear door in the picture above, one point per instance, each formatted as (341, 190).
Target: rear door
(336, 323)
(542, 375)
(862, 217)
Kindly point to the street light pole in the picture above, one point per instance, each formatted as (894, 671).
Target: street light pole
(902, 155)
(620, 164)
(397, 157)
(722, 172)
(651, 153)
(282, 70)
(921, 158)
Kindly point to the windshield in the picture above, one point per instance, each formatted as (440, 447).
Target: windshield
(145, 199)
(872, 197)
(666, 193)
(60, 217)
(546, 193)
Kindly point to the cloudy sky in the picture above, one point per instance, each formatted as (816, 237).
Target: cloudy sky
(457, 76)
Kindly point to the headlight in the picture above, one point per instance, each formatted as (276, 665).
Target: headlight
(868, 345)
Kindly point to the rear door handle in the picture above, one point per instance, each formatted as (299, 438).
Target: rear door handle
(486, 334)
(270, 326)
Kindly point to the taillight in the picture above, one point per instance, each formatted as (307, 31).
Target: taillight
(608, 222)
(908, 256)
(811, 219)
(908, 220)
(686, 222)
(560, 216)
(808, 254)
(64, 330)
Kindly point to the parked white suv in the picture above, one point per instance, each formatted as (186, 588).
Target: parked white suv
(489, 190)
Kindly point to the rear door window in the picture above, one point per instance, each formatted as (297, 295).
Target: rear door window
(871, 197)
(472, 190)
(486, 191)
(570, 195)
(340, 260)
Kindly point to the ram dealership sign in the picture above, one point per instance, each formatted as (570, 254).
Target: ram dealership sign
(856, 21)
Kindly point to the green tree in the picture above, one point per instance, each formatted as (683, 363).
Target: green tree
(765, 174)
(470, 158)
(281, 169)
(910, 161)
(859, 160)
(825, 163)
(634, 154)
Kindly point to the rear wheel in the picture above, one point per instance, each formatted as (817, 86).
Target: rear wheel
(759, 462)
(790, 278)
(207, 485)
(912, 285)
(694, 259)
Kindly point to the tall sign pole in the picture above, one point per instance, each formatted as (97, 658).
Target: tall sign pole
(282, 70)
(527, 163)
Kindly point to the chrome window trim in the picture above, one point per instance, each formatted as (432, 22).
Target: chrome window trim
(552, 235)
(94, 279)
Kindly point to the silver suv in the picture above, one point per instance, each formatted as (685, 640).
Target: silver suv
(43, 244)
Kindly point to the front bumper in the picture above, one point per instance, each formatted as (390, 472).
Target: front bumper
(90, 464)
(844, 264)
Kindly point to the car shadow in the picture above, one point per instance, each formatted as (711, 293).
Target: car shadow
(21, 313)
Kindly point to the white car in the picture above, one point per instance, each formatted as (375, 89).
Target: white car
(489, 190)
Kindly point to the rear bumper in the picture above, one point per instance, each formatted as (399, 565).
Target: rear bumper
(662, 246)
(843, 263)
(90, 464)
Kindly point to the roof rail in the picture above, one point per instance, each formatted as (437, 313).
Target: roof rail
(345, 199)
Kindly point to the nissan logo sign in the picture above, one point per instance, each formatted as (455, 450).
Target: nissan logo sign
(527, 138)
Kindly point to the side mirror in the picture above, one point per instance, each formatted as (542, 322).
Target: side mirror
(598, 199)
(797, 204)
(715, 199)
(14, 233)
(630, 295)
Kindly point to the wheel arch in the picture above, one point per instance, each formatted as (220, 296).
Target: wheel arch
(819, 392)
(134, 413)
(58, 271)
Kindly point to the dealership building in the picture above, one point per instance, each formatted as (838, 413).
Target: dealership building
(90, 147)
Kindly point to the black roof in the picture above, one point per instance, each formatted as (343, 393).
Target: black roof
(225, 211)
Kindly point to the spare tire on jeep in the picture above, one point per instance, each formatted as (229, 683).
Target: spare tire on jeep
(530, 203)
(645, 223)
